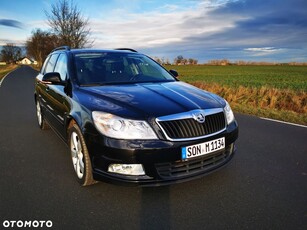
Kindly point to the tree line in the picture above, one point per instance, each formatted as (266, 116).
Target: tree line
(10, 53)
(43, 42)
(254, 63)
(179, 60)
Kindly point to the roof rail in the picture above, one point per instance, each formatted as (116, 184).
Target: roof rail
(61, 48)
(129, 49)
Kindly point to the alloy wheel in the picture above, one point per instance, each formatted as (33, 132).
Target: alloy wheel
(77, 155)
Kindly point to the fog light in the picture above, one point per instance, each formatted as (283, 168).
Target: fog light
(127, 169)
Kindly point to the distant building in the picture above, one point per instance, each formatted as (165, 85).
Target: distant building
(26, 61)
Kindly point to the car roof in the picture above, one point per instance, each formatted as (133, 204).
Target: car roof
(89, 50)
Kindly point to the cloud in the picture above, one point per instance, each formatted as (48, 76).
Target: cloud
(267, 22)
(201, 29)
(11, 23)
(157, 28)
(17, 42)
(263, 51)
(210, 29)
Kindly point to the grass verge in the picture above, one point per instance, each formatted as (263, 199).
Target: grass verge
(281, 104)
(6, 69)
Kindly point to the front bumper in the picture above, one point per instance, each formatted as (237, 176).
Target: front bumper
(161, 159)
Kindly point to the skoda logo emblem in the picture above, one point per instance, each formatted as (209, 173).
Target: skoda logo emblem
(199, 117)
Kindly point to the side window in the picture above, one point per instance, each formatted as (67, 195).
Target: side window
(61, 66)
(51, 63)
(44, 66)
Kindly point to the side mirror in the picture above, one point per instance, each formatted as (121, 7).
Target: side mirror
(174, 73)
(52, 78)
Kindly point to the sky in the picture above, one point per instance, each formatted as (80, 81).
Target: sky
(250, 30)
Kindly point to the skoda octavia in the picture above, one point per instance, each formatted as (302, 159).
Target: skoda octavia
(128, 120)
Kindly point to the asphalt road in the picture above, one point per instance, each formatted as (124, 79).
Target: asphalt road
(264, 187)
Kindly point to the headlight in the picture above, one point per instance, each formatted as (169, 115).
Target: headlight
(229, 114)
(121, 128)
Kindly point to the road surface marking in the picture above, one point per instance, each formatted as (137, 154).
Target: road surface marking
(7, 75)
(284, 122)
(3, 78)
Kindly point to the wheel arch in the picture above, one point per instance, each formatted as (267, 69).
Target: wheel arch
(72, 119)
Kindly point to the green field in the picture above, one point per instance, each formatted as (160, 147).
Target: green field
(280, 77)
(278, 92)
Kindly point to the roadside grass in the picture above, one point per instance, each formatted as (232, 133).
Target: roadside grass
(6, 69)
(277, 92)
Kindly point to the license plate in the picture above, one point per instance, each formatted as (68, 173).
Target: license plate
(202, 148)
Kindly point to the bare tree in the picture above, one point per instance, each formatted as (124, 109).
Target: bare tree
(178, 60)
(10, 53)
(193, 61)
(157, 59)
(40, 44)
(68, 24)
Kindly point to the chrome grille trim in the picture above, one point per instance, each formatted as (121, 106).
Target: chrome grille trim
(185, 120)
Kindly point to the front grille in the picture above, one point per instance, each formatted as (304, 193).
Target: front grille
(182, 169)
(190, 128)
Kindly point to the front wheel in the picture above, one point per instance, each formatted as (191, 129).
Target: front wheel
(80, 156)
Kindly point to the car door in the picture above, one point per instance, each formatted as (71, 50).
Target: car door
(58, 100)
(44, 89)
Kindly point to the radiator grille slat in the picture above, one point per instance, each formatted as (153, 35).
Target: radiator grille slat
(190, 128)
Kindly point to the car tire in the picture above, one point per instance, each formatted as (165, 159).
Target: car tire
(80, 156)
(40, 117)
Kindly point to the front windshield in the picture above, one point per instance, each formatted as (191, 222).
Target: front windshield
(116, 68)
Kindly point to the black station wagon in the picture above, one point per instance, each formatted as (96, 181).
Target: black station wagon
(128, 120)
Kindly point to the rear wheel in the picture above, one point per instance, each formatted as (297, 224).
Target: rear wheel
(80, 156)
(40, 117)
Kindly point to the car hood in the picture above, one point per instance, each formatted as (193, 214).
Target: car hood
(144, 100)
